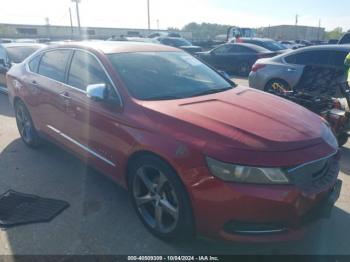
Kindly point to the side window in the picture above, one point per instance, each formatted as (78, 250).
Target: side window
(337, 58)
(53, 64)
(85, 70)
(34, 64)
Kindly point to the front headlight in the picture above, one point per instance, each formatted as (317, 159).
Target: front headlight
(245, 174)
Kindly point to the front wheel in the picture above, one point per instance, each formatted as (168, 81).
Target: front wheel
(25, 126)
(160, 199)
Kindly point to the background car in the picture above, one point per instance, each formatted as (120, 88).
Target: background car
(269, 44)
(179, 43)
(316, 67)
(14, 53)
(235, 58)
(291, 45)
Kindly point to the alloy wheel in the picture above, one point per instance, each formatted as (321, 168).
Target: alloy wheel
(155, 199)
(24, 123)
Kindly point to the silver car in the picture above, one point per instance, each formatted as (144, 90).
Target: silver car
(286, 71)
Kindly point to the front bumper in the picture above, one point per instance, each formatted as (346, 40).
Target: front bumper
(262, 213)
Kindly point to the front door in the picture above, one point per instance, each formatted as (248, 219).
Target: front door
(92, 126)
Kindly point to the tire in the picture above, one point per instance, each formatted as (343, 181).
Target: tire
(277, 85)
(244, 69)
(342, 139)
(160, 199)
(25, 126)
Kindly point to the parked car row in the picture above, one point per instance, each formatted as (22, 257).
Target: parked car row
(198, 154)
(11, 54)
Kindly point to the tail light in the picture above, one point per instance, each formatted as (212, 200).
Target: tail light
(257, 67)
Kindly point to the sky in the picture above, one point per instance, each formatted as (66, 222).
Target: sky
(177, 13)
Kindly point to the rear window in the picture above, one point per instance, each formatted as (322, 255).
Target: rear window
(18, 54)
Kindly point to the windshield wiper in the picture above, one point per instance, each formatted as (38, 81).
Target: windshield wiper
(211, 91)
(164, 97)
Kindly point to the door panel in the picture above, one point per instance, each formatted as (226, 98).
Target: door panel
(48, 107)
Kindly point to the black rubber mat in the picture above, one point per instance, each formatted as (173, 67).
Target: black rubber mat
(21, 209)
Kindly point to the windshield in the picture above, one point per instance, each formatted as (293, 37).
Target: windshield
(18, 54)
(167, 75)
(274, 46)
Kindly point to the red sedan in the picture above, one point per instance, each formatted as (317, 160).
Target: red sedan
(197, 153)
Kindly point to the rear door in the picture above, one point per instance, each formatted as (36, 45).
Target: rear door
(47, 90)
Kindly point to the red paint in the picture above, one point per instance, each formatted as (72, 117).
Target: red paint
(242, 126)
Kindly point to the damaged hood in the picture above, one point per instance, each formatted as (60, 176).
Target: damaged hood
(241, 118)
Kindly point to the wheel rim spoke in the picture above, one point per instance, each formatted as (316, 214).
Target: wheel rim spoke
(145, 180)
(169, 208)
(158, 216)
(143, 200)
(161, 181)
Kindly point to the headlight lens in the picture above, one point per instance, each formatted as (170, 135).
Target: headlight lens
(245, 174)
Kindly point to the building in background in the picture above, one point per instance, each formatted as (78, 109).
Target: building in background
(292, 32)
(66, 32)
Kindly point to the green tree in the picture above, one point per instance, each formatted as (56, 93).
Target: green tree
(206, 30)
(336, 33)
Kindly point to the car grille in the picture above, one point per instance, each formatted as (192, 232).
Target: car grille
(316, 175)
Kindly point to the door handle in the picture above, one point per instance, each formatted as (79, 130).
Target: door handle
(65, 95)
(291, 70)
(35, 83)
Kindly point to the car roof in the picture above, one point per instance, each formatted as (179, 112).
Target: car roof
(345, 47)
(7, 45)
(252, 46)
(257, 39)
(112, 47)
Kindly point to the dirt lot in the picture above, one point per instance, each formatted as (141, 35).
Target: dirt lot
(101, 220)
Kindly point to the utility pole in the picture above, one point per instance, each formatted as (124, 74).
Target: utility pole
(77, 2)
(47, 22)
(71, 22)
(296, 20)
(319, 28)
(149, 16)
(157, 24)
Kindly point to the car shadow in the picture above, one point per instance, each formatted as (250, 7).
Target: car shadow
(101, 220)
(5, 108)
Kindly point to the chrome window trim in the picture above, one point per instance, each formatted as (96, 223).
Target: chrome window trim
(80, 145)
(66, 84)
(256, 232)
(311, 162)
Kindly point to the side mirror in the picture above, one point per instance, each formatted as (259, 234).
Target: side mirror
(97, 92)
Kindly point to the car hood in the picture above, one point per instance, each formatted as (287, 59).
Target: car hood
(243, 119)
